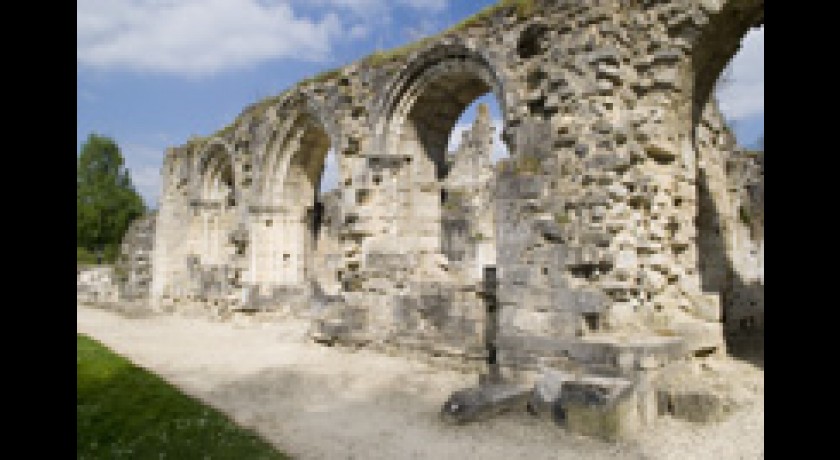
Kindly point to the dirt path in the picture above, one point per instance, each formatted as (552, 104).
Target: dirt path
(316, 402)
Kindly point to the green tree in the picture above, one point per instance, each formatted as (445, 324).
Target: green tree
(106, 201)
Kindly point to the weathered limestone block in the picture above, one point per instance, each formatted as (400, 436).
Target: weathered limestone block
(133, 270)
(601, 407)
(96, 285)
(693, 405)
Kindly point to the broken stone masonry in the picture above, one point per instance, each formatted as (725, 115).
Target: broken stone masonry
(134, 264)
(624, 233)
(129, 279)
(96, 285)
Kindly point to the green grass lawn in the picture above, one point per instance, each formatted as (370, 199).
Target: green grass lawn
(122, 411)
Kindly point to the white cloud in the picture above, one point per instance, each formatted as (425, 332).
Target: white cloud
(204, 37)
(197, 37)
(374, 7)
(429, 5)
(377, 15)
(743, 96)
(361, 8)
(500, 150)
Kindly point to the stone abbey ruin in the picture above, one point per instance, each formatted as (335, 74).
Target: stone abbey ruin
(624, 233)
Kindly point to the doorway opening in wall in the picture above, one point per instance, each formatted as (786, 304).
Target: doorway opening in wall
(323, 227)
(327, 191)
(728, 136)
(217, 195)
(294, 168)
(314, 161)
(437, 106)
(447, 143)
(474, 147)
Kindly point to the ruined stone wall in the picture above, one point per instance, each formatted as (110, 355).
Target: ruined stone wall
(170, 280)
(134, 264)
(599, 220)
(96, 285)
(468, 238)
(328, 255)
(744, 307)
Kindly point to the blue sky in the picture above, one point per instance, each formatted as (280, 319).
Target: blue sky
(152, 73)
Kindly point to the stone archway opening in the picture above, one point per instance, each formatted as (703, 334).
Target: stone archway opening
(443, 211)
(290, 222)
(217, 200)
(474, 147)
(446, 189)
(725, 129)
(213, 204)
(326, 223)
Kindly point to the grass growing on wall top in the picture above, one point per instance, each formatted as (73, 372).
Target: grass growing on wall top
(123, 411)
(522, 9)
(255, 108)
(322, 76)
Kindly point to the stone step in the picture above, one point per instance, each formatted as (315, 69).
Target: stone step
(608, 352)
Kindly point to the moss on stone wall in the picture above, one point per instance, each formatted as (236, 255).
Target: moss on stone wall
(196, 142)
(562, 218)
(320, 77)
(455, 199)
(522, 8)
(528, 164)
(744, 215)
(252, 109)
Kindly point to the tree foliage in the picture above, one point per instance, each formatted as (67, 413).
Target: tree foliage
(106, 201)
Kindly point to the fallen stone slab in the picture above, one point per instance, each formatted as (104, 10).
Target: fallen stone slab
(694, 405)
(602, 407)
(482, 402)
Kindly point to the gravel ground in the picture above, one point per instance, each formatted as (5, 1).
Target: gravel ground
(316, 402)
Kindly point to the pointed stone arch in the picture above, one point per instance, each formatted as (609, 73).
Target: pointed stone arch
(449, 69)
(717, 43)
(721, 239)
(214, 167)
(291, 169)
(414, 117)
(214, 200)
